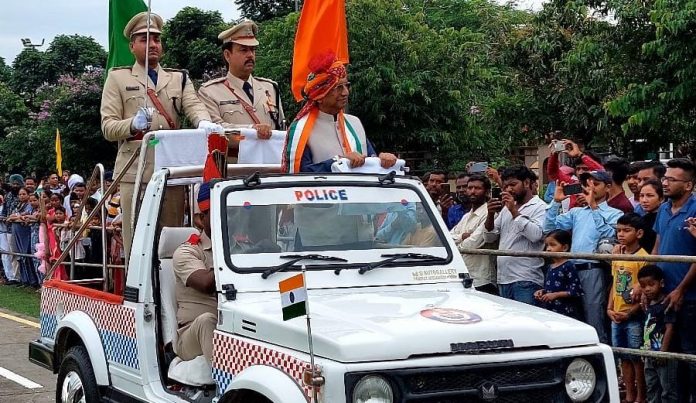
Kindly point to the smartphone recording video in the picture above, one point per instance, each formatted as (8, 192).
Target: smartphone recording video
(478, 167)
(572, 189)
(497, 193)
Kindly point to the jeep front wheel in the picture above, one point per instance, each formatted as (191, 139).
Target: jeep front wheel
(76, 381)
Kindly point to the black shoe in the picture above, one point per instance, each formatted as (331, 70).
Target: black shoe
(13, 282)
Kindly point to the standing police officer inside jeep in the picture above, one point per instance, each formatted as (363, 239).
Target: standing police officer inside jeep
(240, 100)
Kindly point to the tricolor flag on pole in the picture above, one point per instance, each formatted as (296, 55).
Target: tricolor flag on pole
(59, 154)
(293, 295)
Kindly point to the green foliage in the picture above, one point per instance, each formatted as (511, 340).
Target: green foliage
(190, 42)
(29, 72)
(13, 112)
(66, 54)
(72, 54)
(71, 105)
(5, 71)
(662, 106)
(263, 10)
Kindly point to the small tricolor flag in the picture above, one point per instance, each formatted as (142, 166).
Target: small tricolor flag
(293, 296)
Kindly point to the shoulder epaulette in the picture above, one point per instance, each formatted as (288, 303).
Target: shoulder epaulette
(121, 68)
(194, 239)
(214, 81)
(266, 80)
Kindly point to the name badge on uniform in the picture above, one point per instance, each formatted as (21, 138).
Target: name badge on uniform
(131, 88)
(229, 102)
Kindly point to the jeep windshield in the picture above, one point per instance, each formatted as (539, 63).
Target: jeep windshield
(360, 224)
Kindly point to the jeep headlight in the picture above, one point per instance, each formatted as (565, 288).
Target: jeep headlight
(373, 389)
(580, 380)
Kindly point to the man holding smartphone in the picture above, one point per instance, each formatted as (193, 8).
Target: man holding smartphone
(438, 189)
(515, 220)
(461, 201)
(590, 225)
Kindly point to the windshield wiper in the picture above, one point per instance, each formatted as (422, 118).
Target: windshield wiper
(391, 257)
(298, 258)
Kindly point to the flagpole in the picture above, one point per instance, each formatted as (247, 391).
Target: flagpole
(309, 335)
(147, 55)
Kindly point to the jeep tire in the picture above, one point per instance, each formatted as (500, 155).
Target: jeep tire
(76, 382)
(244, 396)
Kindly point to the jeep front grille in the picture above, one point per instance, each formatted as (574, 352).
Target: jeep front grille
(533, 381)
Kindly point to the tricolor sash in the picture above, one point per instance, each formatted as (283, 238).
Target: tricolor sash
(300, 131)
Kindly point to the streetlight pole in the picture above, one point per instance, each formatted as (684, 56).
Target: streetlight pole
(26, 42)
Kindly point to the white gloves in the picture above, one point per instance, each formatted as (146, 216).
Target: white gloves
(211, 127)
(141, 120)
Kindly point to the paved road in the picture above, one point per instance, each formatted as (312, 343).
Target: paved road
(39, 384)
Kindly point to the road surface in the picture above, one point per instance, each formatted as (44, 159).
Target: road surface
(20, 380)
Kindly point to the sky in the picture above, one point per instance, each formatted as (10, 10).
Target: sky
(44, 19)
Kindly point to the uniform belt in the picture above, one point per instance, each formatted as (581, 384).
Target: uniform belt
(587, 266)
(137, 136)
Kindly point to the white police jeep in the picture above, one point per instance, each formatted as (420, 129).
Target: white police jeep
(393, 315)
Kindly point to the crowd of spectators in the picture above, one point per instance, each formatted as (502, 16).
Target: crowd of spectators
(39, 218)
(584, 208)
(590, 205)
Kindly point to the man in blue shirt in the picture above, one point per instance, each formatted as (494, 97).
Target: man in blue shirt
(590, 225)
(462, 203)
(673, 238)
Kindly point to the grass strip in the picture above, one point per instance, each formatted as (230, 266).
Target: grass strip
(25, 301)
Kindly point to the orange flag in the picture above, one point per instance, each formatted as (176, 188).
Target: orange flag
(322, 28)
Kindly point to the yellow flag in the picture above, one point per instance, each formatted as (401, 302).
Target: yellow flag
(59, 154)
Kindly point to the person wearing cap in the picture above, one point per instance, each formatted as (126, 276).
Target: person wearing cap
(322, 133)
(592, 226)
(125, 119)
(195, 288)
(240, 100)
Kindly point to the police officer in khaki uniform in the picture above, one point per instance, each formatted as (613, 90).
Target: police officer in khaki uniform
(125, 119)
(195, 288)
(240, 100)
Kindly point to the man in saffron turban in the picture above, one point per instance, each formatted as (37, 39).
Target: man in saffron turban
(322, 133)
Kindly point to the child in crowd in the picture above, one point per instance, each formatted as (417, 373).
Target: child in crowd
(562, 287)
(624, 304)
(55, 220)
(77, 253)
(660, 375)
(34, 224)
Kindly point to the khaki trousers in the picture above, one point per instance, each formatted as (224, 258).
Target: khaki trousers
(196, 338)
(172, 211)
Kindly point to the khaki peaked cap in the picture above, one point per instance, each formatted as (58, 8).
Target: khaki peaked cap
(138, 24)
(243, 33)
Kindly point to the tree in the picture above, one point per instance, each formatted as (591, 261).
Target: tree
(661, 107)
(263, 10)
(71, 105)
(29, 72)
(72, 54)
(66, 54)
(13, 112)
(5, 71)
(190, 42)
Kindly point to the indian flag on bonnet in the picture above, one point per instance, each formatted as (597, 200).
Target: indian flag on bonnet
(293, 296)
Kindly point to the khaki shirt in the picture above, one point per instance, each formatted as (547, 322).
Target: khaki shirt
(124, 94)
(193, 255)
(226, 109)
